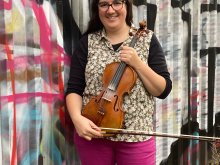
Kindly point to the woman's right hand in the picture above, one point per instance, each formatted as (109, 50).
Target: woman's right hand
(86, 128)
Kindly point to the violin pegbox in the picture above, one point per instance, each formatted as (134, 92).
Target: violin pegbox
(142, 29)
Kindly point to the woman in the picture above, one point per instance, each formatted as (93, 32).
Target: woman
(108, 32)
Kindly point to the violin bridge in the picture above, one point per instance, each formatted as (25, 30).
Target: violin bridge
(107, 99)
(108, 94)
(101, 111)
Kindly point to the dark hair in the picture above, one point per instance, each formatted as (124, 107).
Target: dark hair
(95, 23)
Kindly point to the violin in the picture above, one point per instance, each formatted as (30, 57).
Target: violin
(105, 109)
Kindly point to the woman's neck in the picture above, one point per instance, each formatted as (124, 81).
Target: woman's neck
(118, 36)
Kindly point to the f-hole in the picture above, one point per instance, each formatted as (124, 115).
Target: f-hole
(116, 100)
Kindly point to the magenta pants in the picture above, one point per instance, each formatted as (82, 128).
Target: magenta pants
(106, 152)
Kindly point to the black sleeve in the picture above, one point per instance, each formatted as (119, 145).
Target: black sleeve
(76, 82)
(157, 62)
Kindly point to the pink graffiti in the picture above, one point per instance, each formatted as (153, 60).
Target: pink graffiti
(6, 4)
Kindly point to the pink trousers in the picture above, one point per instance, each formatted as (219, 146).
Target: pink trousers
(106, 152)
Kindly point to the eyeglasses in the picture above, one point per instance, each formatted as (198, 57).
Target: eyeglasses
(116, 5)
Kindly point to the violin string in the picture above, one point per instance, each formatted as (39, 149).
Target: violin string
(119, 72)
(106, 95)
(114, 80)
(117, 76)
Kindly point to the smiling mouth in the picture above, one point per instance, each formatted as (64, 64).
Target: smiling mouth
(112, 17)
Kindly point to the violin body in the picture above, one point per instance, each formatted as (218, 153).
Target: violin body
(105, 110)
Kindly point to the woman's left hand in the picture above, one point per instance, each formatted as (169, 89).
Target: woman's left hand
(129, 56)
(153, 82)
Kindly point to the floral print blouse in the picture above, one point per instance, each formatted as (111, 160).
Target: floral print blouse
(138, 105)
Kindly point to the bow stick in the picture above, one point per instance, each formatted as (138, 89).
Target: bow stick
(139, 132)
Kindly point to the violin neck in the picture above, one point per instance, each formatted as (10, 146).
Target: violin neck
(115, 81)
(133, 41)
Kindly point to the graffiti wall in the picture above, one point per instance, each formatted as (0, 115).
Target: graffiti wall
(37, 38)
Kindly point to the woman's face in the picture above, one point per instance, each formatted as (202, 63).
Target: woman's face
(113, 16)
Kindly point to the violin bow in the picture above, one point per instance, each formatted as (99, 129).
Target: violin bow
(140, 132)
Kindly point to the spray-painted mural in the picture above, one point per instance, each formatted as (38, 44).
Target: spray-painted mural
(37, 38)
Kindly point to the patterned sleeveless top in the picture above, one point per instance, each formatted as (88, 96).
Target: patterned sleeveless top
(138, 105)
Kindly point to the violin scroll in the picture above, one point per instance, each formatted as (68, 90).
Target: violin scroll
(142, 28)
